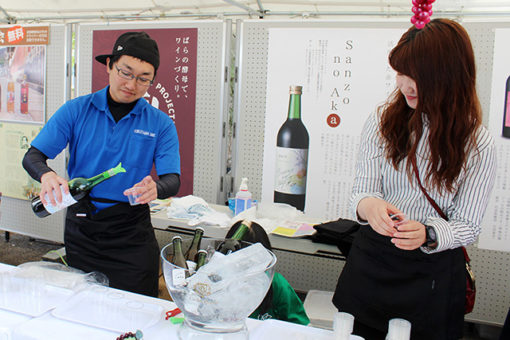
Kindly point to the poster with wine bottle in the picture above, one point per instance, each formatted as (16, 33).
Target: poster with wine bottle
(495, 233)
(22, 73)
(321, 86)
(174, 87)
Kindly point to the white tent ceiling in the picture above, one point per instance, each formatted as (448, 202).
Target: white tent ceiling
(79, 10)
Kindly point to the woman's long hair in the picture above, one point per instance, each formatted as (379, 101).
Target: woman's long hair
(440, 59)
(256, 234)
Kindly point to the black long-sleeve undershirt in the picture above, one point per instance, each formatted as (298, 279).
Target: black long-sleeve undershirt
(34, 162)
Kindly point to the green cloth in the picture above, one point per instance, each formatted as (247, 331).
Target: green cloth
(286, 305)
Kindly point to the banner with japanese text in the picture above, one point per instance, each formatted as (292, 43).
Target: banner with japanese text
(496, 224)
(173, 90)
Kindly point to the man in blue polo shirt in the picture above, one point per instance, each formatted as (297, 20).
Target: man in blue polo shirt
(103, 232)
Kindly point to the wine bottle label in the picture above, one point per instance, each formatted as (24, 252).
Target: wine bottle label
(179, 277)
(290, 176)
(67, 200)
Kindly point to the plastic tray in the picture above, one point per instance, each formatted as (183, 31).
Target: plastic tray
(30, 297)
(110, 309)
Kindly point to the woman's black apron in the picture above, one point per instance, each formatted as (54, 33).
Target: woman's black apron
(380, 282)
(118, 241)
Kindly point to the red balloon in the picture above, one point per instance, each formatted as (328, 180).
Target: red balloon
(419, 25)
(414, 19)
(416, 10)
(426, 20)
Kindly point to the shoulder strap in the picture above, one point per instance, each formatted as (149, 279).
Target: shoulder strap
(432, 202)
(430, 199)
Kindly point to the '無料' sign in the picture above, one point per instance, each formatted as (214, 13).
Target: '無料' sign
(24, 35)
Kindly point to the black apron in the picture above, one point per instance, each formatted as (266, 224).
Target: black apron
(380, 282)
(118, 241)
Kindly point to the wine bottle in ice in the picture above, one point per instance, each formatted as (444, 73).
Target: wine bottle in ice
(78, 188)
(292, 156)
(201, 257)
(192, 252)
(232, 244)
(178, 256)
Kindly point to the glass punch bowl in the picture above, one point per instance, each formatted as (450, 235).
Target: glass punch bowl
(216, 303)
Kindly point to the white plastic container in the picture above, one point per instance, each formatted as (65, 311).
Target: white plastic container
(399, 329)
(243, 197)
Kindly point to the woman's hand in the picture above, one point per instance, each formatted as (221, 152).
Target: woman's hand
(50, 185)
(377, 213)
(410, 235)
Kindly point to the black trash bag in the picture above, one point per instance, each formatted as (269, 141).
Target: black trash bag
(340, 233)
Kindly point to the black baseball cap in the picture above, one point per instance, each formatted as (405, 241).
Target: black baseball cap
(134, 44)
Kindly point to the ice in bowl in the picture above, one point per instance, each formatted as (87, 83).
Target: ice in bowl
(220, 295)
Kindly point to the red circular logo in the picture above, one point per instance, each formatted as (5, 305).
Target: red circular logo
(333, 120)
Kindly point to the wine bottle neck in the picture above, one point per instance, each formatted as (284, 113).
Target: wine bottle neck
(93, 181)
(295, 106)
(240, 232)
(177, 247)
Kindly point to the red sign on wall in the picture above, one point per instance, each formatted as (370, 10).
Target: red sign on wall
(173, 90)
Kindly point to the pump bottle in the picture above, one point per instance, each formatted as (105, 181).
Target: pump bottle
(243, 197)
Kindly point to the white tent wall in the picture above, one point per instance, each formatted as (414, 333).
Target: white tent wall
(16, 11)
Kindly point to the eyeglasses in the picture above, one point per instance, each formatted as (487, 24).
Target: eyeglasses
(128, 75)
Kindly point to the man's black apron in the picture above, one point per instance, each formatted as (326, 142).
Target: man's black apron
(380, 282)
(118, 241)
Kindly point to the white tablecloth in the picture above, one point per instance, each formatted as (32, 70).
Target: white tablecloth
(16, 326)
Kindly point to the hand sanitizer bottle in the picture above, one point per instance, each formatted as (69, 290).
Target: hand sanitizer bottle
(243, 197)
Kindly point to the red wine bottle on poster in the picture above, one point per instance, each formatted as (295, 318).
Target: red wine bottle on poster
(292, 145)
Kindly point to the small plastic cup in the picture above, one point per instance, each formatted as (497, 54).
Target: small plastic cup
(132, 195)
(399, 329)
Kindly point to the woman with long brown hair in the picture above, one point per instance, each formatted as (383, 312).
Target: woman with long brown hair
(407, 261)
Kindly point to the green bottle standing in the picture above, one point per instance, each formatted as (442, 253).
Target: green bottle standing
(201, 256)
(232, 244)
(191, 254)
(178, 258)
(79, 187)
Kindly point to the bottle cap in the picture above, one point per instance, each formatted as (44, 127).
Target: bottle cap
(244, 184)
(200, 228)
(295, 89)
(177, 236)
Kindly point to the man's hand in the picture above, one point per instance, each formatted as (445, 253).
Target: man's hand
(50, 185)
(147, 189)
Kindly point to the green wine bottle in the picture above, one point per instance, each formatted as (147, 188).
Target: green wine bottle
(232, 244)
(79, 187)
(201, 256)
(193, 249)
(178, 258)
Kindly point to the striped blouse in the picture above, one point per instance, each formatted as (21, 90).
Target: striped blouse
(465, 206)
